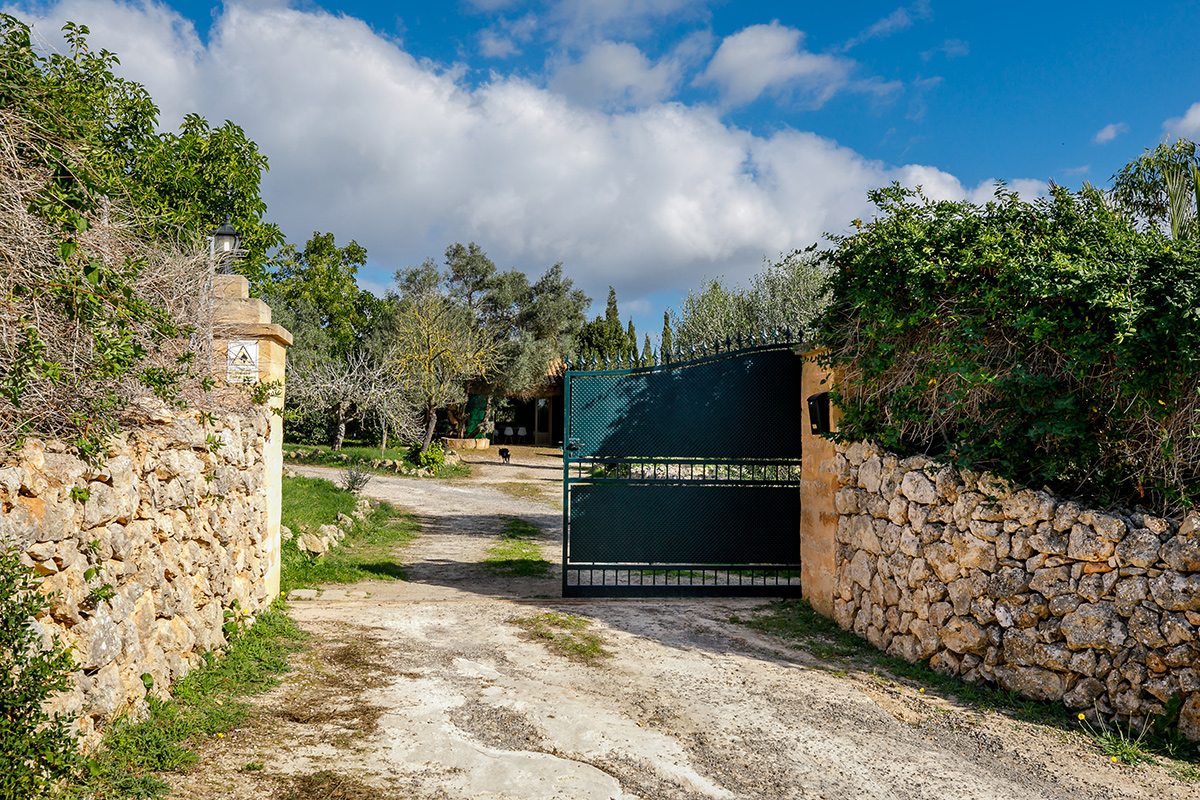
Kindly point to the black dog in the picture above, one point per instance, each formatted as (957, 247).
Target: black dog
(504, 454)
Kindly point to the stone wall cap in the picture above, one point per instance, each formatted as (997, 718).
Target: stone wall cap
(255, 330)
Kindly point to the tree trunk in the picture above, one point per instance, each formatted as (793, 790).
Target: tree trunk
(430, 424)
(339, 429)
(383, 436)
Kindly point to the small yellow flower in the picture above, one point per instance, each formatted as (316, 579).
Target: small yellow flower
(220, 736)
(1081, 716)
(1114, 759)
(922, 690)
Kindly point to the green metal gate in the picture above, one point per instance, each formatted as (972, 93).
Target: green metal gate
(682, 479)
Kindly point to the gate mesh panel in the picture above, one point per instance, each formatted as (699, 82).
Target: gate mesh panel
(684, 479)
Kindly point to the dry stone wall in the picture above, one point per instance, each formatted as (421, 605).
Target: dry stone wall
(1017, 587)
(148, 555)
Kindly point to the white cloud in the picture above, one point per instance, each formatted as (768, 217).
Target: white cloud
(506, 37)
(1110, 132)
(494, 44)
(577, 21)
(1187, 126)
(372, 144)
(898, 20)
(951, 48)
(772, 58)
(616, 75)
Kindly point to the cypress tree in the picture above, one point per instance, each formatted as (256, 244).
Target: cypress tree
(664, 350)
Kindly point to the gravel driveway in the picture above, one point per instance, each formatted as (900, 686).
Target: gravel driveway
(426, 689)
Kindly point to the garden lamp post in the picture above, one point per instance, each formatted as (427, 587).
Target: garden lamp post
(224, 246)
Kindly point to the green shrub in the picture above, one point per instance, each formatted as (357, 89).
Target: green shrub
(37, 749)
(432, 459)
(1050, 342)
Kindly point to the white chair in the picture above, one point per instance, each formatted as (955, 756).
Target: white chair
(508, 434)
(521, 434)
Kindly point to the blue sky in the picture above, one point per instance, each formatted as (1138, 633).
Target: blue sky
(649, 143)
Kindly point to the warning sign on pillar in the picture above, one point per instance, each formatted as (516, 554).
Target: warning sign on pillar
(243, 362)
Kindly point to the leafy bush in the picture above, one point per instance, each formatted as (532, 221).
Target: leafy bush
(36, 748)
(432, 458)
(1051, 342)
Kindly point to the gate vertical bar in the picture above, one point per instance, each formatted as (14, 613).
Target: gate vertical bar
(566, 445)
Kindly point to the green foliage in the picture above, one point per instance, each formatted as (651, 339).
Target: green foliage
(1159, 187)
(1050, 342)
(367, 553)
(321, 277)
(606, 338)
(432, 458)
(786, 295)
(36, 748)
(666, 343)
(183, 185)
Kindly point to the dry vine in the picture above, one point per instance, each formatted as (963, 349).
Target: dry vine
(59, 395)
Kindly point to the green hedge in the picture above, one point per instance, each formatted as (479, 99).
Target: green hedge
(1049, 341)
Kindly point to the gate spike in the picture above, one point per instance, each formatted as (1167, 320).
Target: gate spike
(764, 336)
(716, 345)
(691, 351)
(728, 342)
(704, 348)
(750, 339)
(739, 340)
(776, 336)
(787, 333)
(595, 363)
(605, 361)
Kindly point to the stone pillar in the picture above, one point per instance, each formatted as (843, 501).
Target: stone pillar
(248, 347)
(818, 485)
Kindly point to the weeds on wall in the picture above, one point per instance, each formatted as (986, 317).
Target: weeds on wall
(1051, 342)
(208, 702)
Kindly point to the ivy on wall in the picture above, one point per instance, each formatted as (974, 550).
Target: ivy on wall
(1051, 342)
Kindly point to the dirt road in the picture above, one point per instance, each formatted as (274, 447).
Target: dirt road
(430, 688)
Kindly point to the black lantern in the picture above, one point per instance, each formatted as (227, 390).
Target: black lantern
(225, 245)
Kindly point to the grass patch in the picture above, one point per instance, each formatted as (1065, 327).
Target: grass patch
(363, 456)
(1158, 736)
(523, 491)
(516, 553)
(367, 553)
(205, 703)
(565, 634)
(1184, 773)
